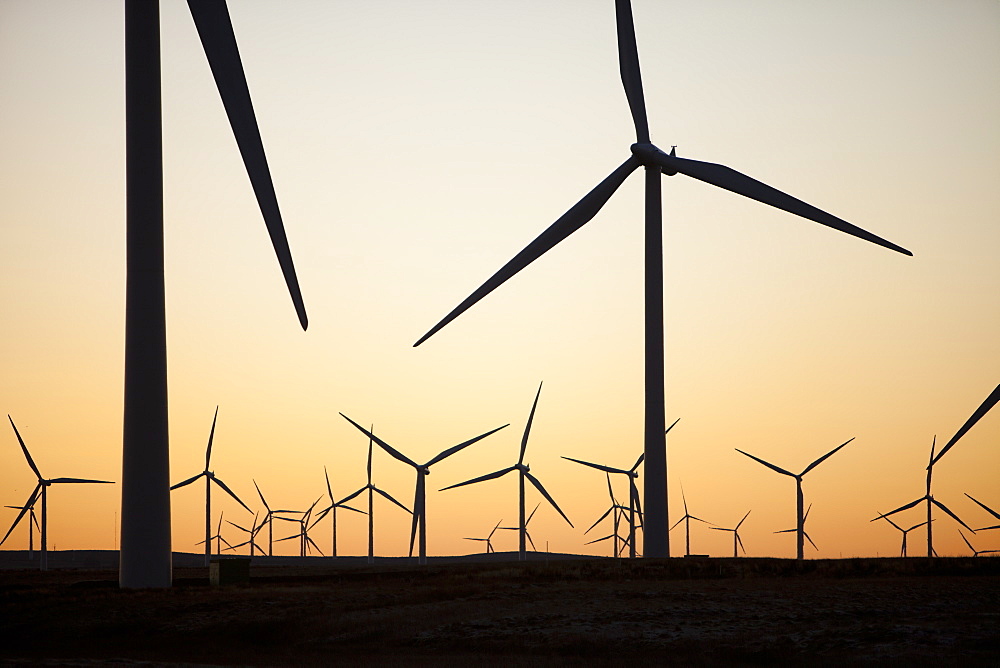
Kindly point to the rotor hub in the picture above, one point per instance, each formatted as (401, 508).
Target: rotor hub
(650, 156)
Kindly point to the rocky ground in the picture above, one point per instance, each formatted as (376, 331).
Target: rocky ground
(573, 612)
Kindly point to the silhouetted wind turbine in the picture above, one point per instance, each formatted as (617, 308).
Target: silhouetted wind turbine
(527, 535)
(219, 540)
(488, 539)
(41, 489)
(687, 524)
(303, 535)
(371, 490)
(979, 503)
(252, 532)
(634, 504)
(799, 517)
(736, 535)
(975, 552)
(655, 162)
(928, 498)
(32, 524)
(523, 472)
(618, 511)
(902, 548)
(332, 511)
(423, 470)
(145, 522)
(269, 518)
(803, 526)
(209, 479)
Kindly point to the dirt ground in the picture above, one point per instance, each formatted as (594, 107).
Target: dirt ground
(581, 612)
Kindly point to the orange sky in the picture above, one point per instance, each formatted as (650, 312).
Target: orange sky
(415, 147)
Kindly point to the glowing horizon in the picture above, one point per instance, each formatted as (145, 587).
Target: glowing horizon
(409, 175)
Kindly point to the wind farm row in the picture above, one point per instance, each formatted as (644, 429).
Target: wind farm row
(624, 521)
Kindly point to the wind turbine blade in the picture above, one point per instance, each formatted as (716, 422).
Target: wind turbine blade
(488, 476)
(611, 492)
(494, 530)
(900, 509)
(24, 509)
(578, 216)
(261, 495)
(211, 436)
(637, 462)
(821, 459)
(237, 526)
(230, 493)
(311, 542)
(226, 542)
(351, 509)
(741, 184)
(628, 63)
(634, 491)
(953, 515)
(598, 540)
(329, 490)
(535, 510)
(768, 465)
(527, 426)
(966, 540)
(323, 513)
(278, 540)
(671, 426)
(986, 508)
(721, 529)
(215, 29)
(455, 448)
(786, 531)
(676, 523)
(684, 500)
(810, 541)
(983, 409)
(24, 448)
(388, 496)
(382, 444)
(599, 467)
(538, 486)
(916, 526)
(741, 521)
(103, 482)
(806, 516)
(701, 520)
(351, 496)
(740, 541)
(416, 517)
(188, 481)
(370, 441)
(983, 529)
(606, 513)
(893, 523)
(528, 536)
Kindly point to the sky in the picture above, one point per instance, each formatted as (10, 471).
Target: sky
(415, 148)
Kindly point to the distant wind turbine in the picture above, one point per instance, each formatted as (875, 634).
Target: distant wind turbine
(804, 532)
(41, 489)
(527, 534)
(928, 498)
(736, 535)
(145, 522)
(217, 537)
(523, 472)
(423, 470)
(252, 532)
(210, 477)
(634, 504)
(616, 511)
(902, 548)
(489, 539)
(269, 518)
(976, 552)
(980, 503)
(303, 535)
(32, 524)
(799, 502)
(655, 163)
(687, 524)
(332, 511)
(372, 489)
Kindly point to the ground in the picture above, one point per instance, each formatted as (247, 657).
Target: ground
(556, 611)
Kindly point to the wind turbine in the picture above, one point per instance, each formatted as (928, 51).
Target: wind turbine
(687, 524)
(980, 503)
(736, 535)
(902, 549)
(145, 522)
(983, 409)
(525, 529)
(32, 522)
(799, 517)
(618, 510)
(252, 532)
(634, 504)
(423, 470)
(803, 526)
(976, 552)
(219, 540)
(488, 539)
(209, 479)
(303, 535)
(372, 489)
(655, 163)
(523, 472)
(332, 511)
(269, 518)
(41, 489)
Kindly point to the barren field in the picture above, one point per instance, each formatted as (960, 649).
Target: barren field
(559, 611)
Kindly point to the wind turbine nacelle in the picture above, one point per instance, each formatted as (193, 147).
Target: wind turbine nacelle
(650, 156)
(425, 470)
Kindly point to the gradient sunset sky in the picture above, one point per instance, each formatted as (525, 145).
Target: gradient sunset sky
(415, 147)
